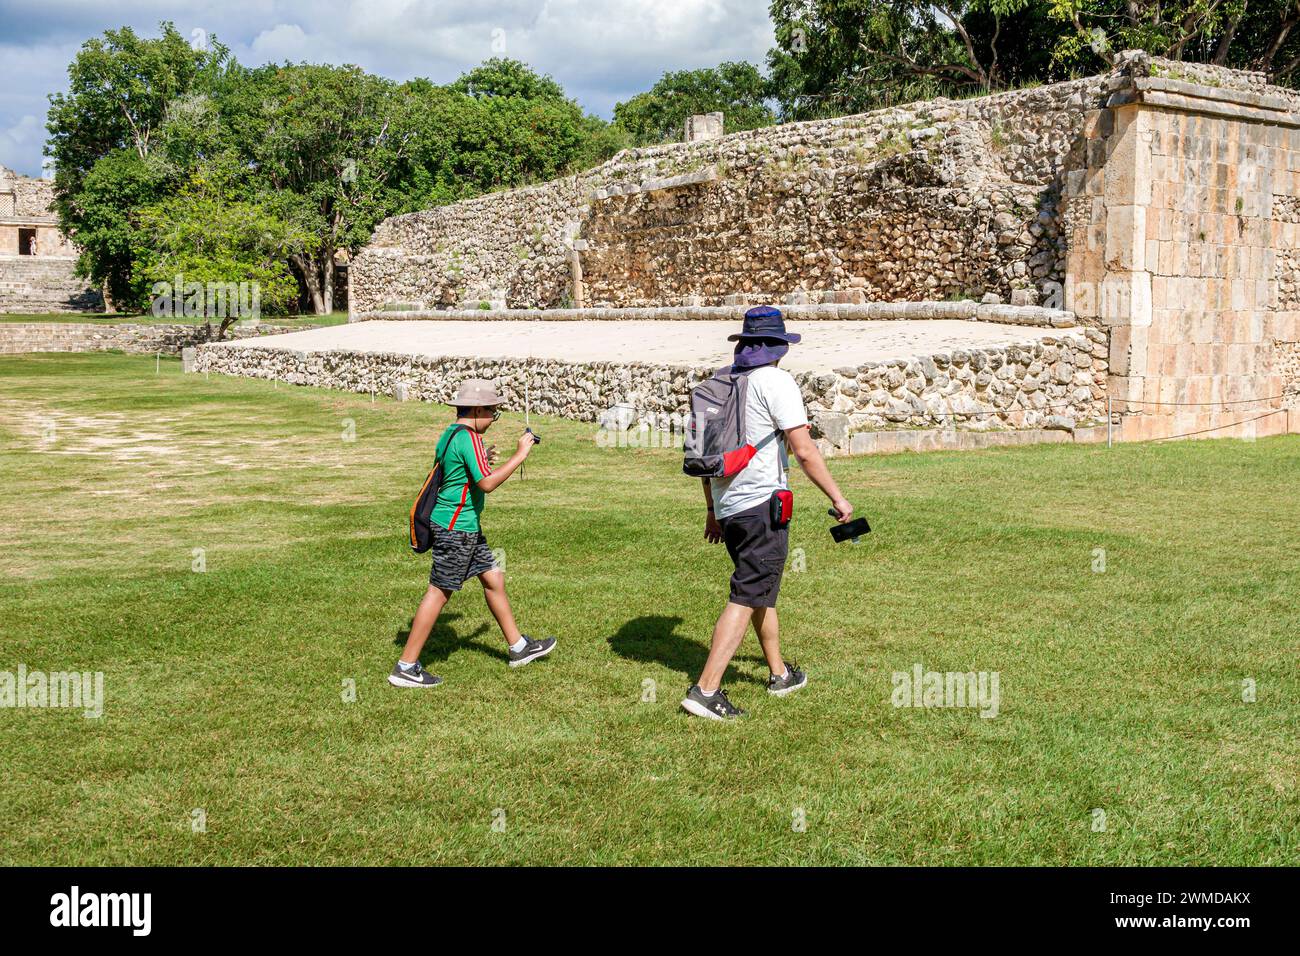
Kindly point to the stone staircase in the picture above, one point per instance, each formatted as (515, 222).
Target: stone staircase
(36, 284)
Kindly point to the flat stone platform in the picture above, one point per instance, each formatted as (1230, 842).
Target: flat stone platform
(826, 345)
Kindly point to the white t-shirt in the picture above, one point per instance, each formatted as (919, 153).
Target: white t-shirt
(773, 402)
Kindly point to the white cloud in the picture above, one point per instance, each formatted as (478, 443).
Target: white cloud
(600, 51)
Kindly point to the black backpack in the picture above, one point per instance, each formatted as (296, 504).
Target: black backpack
(422, 509)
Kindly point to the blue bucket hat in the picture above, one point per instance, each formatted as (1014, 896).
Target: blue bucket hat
(764, 322)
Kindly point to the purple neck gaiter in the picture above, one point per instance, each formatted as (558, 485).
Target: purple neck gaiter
(756, 354)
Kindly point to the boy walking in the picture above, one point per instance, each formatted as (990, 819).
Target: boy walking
(460, 550)
(739, 512)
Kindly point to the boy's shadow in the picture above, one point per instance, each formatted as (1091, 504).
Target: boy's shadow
(654, 640)
(444, 639)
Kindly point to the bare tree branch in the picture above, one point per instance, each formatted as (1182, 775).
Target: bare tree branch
(1265, 61)
(981, 75)
(1220, 57)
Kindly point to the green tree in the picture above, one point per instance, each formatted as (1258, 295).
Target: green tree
(501, 78)
(204, 236)
(106, 230)
(659, 115)
(303, 150)
(119, 89)
(525, 129)
(332, 142)
(838, 56)
(1258, 35)
(841, 56)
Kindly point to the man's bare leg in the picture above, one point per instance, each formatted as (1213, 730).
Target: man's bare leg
(767, 628)
(494, 592)
(727, 635)
(435, 599)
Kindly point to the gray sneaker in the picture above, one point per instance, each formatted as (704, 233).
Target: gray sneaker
(791, 682)
(531, 651)
(416, 676)
(714, 707)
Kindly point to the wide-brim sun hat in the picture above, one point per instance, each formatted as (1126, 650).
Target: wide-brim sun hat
(475, 392)
(764, 322)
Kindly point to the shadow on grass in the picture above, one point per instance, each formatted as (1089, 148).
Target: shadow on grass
(444, 640)
(654, 640)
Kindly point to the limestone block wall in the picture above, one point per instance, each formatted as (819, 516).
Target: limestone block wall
(927, 201)
(1001, 313)
(21, 337)
(1158, 204)
(33, 197)
(1288, 366)
(27, 201)
(36, 284)
(1182, 231)
(1052, 383)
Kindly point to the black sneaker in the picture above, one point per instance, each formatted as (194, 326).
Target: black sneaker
(716, 707)
(416, 676)
(531, 651)
(791, 682)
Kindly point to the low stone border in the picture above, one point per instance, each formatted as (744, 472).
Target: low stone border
(1031, 315)
(955, 439)
(1051, 383)
(17, 338)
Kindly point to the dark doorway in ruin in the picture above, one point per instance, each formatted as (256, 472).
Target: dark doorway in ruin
(26, 242)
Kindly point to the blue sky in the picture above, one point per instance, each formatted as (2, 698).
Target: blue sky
(601, 51)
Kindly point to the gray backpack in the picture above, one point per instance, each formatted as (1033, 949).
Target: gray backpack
(715, 445)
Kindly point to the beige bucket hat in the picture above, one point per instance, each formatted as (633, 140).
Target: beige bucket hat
(477, 391)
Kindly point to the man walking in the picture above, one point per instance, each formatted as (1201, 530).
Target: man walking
(740, 512)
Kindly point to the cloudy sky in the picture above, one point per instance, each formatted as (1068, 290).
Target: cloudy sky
(601, 51)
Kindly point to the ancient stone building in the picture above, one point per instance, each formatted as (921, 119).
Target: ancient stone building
(36, 259)
(1145, 220)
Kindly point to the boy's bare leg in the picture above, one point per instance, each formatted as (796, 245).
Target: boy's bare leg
(727, 635)
(426, 615)
(494, 592)
(767, 629)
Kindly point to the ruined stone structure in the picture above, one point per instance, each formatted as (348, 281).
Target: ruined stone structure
(928, 201)
(1183, 222)
(36, 259)
(1154, 211)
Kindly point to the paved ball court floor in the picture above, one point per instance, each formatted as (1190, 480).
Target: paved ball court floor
(826, 344)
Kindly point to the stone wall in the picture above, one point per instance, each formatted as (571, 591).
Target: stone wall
(137, 337)
(27, 202)
(33, 198)
(1288, 366)
(935, 199)
(38, 284)
(1182, 228)
(1001, 313)
(1054, 383)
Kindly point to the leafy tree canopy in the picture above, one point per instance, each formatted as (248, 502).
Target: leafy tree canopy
(739, 90)
(838, 56)
(317, 155)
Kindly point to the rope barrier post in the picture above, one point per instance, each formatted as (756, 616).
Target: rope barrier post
(1110, 419)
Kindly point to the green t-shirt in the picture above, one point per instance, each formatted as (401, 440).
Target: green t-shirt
(464, 462)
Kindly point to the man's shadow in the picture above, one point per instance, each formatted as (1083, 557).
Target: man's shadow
(654, 640)
(443, 640)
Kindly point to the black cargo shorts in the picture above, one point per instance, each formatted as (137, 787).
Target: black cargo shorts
(758, 551)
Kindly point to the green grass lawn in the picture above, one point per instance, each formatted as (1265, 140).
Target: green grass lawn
(224, 690)
(94, 318)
